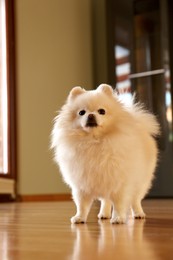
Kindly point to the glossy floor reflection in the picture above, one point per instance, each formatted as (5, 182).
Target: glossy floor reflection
(30, 231)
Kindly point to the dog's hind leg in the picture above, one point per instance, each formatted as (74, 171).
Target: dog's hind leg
(137, 209)
(105, 209)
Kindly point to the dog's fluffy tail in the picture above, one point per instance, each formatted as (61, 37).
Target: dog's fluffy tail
(147, 120)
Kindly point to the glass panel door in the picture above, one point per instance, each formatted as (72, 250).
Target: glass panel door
(142, 65)
(152, 81)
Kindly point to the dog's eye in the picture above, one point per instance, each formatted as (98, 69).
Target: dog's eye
(101, 111)
(82, 112)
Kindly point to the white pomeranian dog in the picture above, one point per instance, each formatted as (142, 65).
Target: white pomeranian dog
(106, 151)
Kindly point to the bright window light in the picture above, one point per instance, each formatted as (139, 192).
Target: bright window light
(3, 94)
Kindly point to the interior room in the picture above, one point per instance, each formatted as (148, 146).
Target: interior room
(46, 49)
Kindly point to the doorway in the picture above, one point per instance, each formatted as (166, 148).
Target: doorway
(139, 59)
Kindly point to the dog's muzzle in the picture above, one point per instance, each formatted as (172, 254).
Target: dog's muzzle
(91, 121)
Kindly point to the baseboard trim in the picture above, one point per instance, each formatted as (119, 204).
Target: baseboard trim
(7, 186)
(44, 197)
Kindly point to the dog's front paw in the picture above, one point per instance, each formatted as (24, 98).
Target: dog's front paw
(77, 219)
(118, 220)
(140, 215)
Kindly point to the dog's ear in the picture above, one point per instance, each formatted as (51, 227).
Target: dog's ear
(106, 89)
(75, 92)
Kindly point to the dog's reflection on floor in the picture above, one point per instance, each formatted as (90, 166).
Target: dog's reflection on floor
(106, 241)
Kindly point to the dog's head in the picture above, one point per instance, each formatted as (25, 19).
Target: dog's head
(92, 111)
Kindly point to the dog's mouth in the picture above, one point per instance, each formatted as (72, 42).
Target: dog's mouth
(91, 121)
(91, 124)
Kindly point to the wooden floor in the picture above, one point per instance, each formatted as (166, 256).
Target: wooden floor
(40, 231)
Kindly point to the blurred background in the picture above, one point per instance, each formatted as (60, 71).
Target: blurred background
(46, 48)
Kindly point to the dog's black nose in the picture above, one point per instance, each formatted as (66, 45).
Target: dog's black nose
(91, 117)
(91, 121)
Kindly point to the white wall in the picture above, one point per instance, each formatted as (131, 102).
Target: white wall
(54, 53)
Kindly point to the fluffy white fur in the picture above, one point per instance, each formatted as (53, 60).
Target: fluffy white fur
(113, 160)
